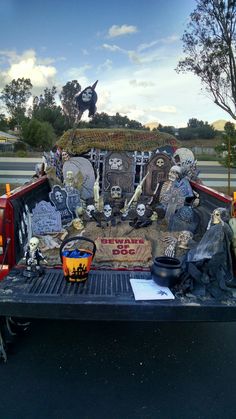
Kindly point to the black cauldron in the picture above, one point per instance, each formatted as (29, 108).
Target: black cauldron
(166, 271)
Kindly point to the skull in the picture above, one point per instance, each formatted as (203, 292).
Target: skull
(89, 209)
(160, 162)
(184, 238)
(33, 244)
(65, 156)
(116, 192)
(107, 210)
(87, 95)
(183, 157)
(115, 163)
(174, 173)
(216, 216)
(58, 197)
(78, 224)
(140, 210)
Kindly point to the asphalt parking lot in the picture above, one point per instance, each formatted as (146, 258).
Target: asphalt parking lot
(93, 370)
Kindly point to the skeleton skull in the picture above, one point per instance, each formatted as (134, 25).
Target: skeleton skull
(89, 209)
(140, 210)
(174, 173)
(160, 162)
(87, 95)
(107, 210)
(33, 244)
(216, 216)
(115, 163)
(58, 197)
(116, 192)
(65, 156)
(184, 238)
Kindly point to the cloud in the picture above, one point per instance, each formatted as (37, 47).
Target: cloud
(106, 66)
(27, 65)
(137, 83)
(122, 30)
(167, 109)
(113, 48)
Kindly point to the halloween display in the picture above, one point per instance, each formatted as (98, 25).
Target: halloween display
(115, 194)
(33, 257)
(86, 100)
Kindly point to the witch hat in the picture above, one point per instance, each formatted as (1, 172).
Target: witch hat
(94, 85)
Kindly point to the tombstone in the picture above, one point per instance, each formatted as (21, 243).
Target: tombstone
(118, 171)
(83, 174)
(172, 199)
(158, 168)
(59, 197)
(45, 219)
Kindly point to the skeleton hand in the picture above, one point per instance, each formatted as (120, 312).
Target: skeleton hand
(170, 249)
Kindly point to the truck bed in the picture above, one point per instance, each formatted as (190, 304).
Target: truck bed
(106, 295)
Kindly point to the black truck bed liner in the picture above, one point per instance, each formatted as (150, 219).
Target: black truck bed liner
(106, 295)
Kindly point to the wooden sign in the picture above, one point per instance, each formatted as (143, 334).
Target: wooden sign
(45, 219)
(118, 171)
(158, 168)
(121, 249)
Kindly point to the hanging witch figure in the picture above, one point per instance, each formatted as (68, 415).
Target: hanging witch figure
(86, 100)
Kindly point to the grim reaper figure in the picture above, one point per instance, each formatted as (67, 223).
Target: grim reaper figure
(86, 100)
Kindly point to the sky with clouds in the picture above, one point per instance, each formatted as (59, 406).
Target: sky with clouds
(132, 47)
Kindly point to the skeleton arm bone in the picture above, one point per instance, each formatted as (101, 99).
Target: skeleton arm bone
(138, 191)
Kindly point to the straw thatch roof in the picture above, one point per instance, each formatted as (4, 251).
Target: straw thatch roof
(80, 141)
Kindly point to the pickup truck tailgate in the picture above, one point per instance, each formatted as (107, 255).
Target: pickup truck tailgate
(106, 295)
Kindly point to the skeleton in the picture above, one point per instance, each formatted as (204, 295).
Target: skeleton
(87, 95)
(174, 173)
(58, 197)
(143, 216)
(69, 180)
(65, 156)
(107, 211)
(140, 210)
(218, 216)
(115, 163)
(33, 256)
(184, 238)
(171, 246)
(89, 210)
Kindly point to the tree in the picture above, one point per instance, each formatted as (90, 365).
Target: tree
(67, 97)
(15, 96)
(39, 135)
(3, 122)
(209, 43)
(45, 109)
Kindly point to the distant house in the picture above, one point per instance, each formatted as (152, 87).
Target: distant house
(7, 141)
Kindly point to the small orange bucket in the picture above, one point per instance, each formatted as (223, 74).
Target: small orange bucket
(76, 263)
